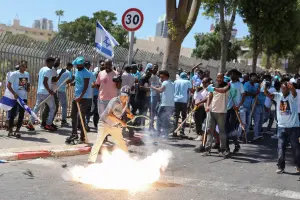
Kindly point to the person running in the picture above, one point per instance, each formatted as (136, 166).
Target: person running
(109, 121)
(19, 85)
(61, 93)
(44, 91)
(288, 123)
(82, 78)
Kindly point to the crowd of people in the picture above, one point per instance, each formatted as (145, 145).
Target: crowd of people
(223, 109)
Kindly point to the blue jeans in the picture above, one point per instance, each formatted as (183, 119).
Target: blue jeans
(294, 136)
(258, 119)
(62, 98)
(51, 104)
(164, 116)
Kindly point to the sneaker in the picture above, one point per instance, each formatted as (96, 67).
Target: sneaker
(17, 133)
(274, 137)
(64, 123)
(30, 127)
(216, 146)
(72, 139)
(279, 171)
(206, 153)
(54, 126)
(269, 133)
(224, 154)
(199, 149)
(199, 138)
(257, 138)
(10, 132)
(50, 128)
(237, 148)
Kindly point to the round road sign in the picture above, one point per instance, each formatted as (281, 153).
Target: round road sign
(132, 19)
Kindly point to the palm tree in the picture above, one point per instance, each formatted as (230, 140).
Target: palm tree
(59, 13)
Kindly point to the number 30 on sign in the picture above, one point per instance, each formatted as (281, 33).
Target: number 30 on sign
(132, 19)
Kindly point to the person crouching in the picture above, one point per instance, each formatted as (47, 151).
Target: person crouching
(110, 121)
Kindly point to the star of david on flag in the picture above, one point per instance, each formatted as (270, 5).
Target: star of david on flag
(104, 42)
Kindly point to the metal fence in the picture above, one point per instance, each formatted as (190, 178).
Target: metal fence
(14, 48)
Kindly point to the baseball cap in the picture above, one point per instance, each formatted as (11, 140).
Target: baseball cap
(125, 91)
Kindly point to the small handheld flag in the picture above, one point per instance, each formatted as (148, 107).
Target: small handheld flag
(8, 101)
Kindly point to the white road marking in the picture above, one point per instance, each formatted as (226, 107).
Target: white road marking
(231, 187)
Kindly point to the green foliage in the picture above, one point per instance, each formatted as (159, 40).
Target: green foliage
(83, 29)
(273, 24)
(208, 46)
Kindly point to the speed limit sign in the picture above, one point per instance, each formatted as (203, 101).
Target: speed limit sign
(132, 19)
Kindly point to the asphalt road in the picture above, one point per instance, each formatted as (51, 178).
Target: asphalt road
(247, 175)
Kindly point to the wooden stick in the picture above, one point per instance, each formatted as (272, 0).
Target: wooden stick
(82, 124)
(53, 91)
(205, 132)
(185, 119)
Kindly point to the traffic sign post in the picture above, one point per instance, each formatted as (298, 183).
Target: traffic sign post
(132, 20)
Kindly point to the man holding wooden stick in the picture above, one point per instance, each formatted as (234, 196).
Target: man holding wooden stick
(235, 101)
(82, 78)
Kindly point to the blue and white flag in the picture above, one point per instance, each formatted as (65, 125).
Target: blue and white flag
(31, 113)
(8, 101)
(104, 42)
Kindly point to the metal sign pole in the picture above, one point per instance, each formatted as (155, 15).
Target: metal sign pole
(130, 53)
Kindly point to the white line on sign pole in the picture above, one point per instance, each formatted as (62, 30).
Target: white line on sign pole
(131, 48)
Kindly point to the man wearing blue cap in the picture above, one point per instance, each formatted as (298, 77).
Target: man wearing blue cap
(81, 96)
(181, 97)
(109, 123)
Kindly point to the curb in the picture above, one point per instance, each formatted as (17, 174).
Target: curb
(27, 155)
(72, 151)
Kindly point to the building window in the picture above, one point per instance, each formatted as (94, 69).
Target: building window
(41, 33)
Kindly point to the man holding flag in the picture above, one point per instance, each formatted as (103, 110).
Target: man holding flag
(19, 85)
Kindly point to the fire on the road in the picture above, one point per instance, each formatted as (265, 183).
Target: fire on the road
(119, 171)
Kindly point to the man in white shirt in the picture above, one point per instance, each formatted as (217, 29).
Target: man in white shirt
(45, 113)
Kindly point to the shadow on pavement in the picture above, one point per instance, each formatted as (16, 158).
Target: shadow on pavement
(33, 139)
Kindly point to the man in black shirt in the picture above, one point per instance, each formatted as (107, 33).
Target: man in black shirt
(141, 96)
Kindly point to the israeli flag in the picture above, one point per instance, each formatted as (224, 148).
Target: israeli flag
(104, 42)
(23, 104)
(8, 101)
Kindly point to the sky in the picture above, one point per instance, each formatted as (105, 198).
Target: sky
(29, 10)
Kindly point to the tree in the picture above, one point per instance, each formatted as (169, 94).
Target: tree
(83, 29)
(222, 9)
(208, 46)
(181, 18)
(271, 25)
(59, 13)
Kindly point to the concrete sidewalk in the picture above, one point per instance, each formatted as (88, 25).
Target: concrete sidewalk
(42, 143)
